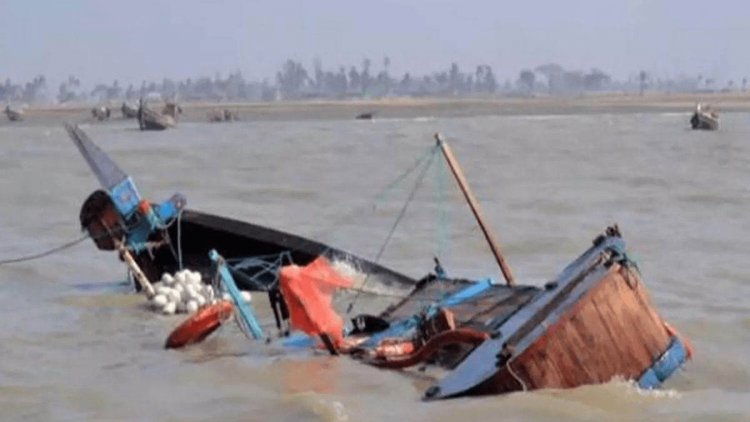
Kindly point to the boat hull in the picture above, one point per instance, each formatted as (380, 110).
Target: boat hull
(594, 323)
(188, 239)
(14, 115)
(612, 331)
(151, 120)
(704, 121)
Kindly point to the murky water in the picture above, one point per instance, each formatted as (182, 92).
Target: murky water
(75, 345)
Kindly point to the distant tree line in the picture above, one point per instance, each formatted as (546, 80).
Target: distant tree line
(30, 92)
(294, 81)
(553, 79)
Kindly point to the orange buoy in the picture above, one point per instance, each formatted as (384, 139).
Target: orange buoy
(202, 323)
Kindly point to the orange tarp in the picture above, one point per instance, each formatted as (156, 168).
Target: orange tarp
(308, 293)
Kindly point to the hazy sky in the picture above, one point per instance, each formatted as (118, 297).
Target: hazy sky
(132, 40)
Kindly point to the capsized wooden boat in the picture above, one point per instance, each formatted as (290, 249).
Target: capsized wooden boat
(14, 114)
(704, 118)
(594, 322)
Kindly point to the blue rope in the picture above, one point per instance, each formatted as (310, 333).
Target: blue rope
(400, 178)
(268, 264)
(378, 198)
(400, 216)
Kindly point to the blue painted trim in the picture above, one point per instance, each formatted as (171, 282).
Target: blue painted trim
(666, 365)
(299, 340)
(125, 196)
(245, 309)
(399, 328)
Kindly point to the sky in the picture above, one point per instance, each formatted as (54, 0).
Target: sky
(135, 40)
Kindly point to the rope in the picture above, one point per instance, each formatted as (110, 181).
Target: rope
(379, 197)
(45, 253)
(400, 216)
(179, 239)
(395, 182)
(514, 375)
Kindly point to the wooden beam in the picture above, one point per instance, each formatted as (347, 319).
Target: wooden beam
(148, 288)
(475, 209)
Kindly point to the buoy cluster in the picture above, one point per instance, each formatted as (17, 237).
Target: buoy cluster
(184, 292)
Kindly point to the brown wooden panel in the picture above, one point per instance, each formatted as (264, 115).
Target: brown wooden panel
(611, 331)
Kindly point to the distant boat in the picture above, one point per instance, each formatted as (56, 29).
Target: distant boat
(704, 118)
(101, 112)
(224, 115)
(149, 119)
(14, 114)
(129, 111)
(171, 108)
(365, 116)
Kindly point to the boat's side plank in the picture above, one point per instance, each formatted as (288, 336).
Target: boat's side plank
(611, 331)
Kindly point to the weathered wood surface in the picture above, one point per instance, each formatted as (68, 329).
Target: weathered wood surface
(612, 331)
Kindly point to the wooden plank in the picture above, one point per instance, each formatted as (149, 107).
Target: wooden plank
(611, 331)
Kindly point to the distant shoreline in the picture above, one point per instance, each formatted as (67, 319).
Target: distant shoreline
(410, 107)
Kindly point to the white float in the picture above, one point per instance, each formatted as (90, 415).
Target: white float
(184, 292)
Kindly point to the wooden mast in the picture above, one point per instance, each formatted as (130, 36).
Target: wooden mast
(475, 209)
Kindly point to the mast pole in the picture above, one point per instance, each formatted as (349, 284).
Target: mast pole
(475, 209)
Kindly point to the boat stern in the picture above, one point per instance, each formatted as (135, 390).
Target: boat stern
(593, 323)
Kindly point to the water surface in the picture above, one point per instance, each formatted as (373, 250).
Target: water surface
(76, 345)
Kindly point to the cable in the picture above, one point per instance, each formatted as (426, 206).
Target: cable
(357, 212)
(45, 253)
(514, 375)
(179, 239)
(401, 214)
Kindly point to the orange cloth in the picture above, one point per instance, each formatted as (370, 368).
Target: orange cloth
(308, 293)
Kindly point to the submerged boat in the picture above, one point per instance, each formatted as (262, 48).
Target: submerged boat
(704, 118)
(594, 322)
(14, 114)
